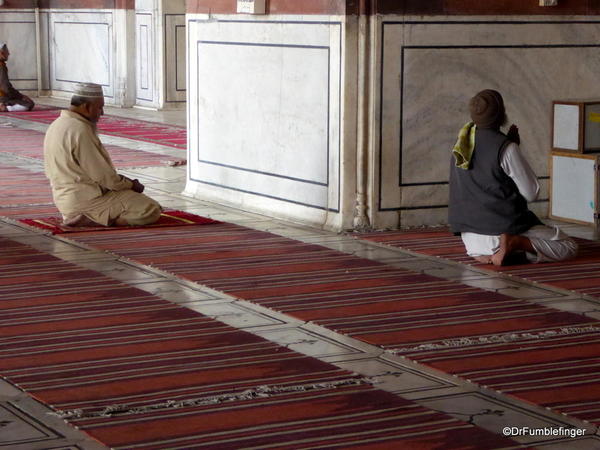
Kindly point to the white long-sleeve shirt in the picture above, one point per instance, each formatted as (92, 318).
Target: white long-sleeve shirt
(516, 166)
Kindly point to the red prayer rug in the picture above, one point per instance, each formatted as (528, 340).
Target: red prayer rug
(139, 130)
(30, 144)
(535, 353)
(168, 218)
(136, 371)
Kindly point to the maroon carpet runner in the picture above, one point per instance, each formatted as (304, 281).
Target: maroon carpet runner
(140, 130)
(538, 354)
(30, 144)
(138, 372)
(581, 274)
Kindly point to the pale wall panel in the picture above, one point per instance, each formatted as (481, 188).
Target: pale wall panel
(82, 50)
(18, 31)
(265, 115)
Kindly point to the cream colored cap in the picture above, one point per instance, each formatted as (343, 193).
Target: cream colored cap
(90, 90)
(2, 45)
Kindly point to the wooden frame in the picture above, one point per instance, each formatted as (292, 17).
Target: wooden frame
(581, 145)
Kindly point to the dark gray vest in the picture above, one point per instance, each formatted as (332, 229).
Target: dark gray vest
(484, 199)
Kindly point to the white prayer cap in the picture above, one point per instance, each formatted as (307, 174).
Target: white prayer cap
(90, 90)
(2, 45)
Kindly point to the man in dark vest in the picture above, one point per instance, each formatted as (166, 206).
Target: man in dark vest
(490, 185)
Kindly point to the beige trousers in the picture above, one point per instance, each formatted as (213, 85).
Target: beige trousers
(135, 208)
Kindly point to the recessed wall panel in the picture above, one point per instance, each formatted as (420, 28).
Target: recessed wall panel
(81, 50)
(18, 31)
(85, 58)
(268, 111)
(431, 67)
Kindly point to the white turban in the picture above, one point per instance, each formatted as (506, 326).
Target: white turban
(90, 90)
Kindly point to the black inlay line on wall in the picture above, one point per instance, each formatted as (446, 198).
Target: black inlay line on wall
(167, 25)
(401, 184)
(149, 57)
(177, 88)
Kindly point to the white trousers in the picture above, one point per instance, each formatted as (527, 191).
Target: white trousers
(550, 243)
(17, 108)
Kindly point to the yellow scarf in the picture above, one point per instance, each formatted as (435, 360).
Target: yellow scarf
(465, 144)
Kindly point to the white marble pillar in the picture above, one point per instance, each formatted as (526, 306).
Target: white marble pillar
(125, 59)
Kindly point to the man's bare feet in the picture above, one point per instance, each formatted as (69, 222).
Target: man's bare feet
(509, 244)
(484, 259)
(503, 250)
(3, 107)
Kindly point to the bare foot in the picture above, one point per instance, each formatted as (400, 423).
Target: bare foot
(120, 222)
(509, 245)
(3, 107)
(484, 259)
(503, 250)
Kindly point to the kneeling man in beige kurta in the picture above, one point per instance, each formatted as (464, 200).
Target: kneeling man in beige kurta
(87, 189)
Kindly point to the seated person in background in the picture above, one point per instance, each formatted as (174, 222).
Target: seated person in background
(10, 98)
(85, 185)
(490, 185)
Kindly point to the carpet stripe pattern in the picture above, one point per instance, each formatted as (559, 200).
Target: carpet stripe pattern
(23, 187)
(30, 144)
(581, 275)
(138, 372)
(139, 130)
(445, 324)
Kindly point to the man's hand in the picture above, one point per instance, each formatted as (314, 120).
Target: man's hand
(137, 186)
(513, 134)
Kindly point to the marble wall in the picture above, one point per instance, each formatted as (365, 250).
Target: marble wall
(265, 114)
(18, 30)
(137, 55)
(81, 46)
(429, 67)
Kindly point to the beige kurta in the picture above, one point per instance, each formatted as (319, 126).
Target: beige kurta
(83, 178)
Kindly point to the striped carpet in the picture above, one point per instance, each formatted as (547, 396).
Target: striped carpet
(20, 187)
(139, 130)
(538, 354)
(30, 144)
(581, 275)
(138, 372)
